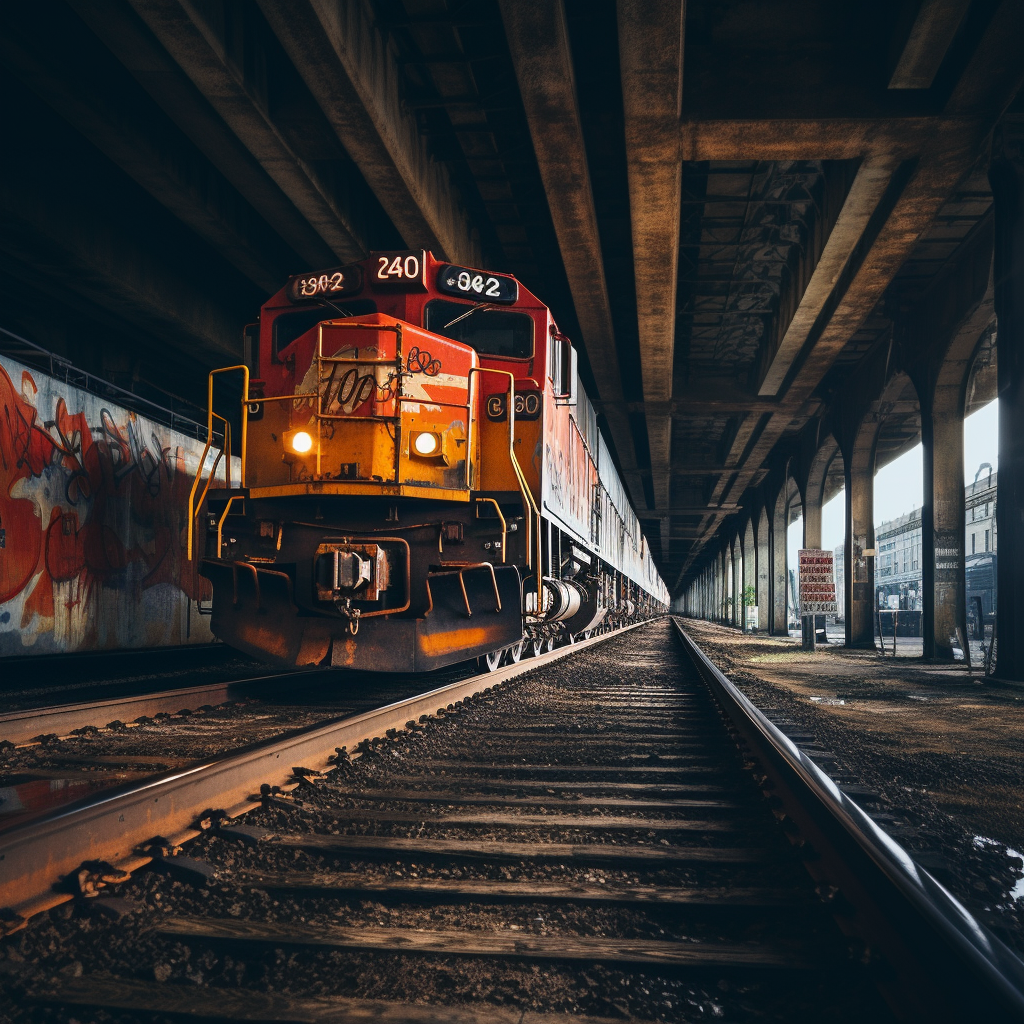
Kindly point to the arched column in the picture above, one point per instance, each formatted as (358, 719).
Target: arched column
(859, 570)
(943, 523)
(1007, 178)
(737, 581)
(814, 492)
(763, 570)
(892, 422)
(749, 568)
(780, 513)
(722, 615)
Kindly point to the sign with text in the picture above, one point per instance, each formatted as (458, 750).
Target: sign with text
(817, 582)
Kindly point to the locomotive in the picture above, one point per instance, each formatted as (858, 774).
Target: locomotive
(422, 479)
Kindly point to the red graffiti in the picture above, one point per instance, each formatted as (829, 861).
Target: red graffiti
(115, 504)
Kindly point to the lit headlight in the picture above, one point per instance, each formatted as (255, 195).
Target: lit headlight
(302, 442)
(426, 443)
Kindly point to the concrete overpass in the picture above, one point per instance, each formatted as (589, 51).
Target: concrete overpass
(788, 236)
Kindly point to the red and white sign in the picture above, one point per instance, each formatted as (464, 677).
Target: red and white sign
(817, 582)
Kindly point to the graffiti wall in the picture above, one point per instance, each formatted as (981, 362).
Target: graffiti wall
(93, 521)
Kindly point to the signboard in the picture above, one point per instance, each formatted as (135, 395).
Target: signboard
(817, 582)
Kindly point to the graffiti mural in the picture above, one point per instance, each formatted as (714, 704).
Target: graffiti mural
(93, 523)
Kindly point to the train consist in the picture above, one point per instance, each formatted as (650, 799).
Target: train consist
(423, 480)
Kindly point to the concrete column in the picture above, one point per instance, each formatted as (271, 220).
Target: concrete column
(778, 556)
(763, 573)
(943, 526)
(812, 518)
(1007, 178)
(859, 574)
(737, 583)
(726, 577)
(812, 539)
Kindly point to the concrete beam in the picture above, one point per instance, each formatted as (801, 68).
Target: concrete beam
(539, 44)
(351, 70)
(167, 167)
(836, 138)
(135, 46)
(196, 48)
(930, 37)
(866, 192)
(651, 58)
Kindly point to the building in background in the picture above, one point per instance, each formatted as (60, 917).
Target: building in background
(840, 564)
(898, 563)
(898, 575)
(980, 550)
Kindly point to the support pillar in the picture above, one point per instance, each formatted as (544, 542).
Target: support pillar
(812, 539)
(763, 574)
(779, 625)
(1007, 178)
(859, 570)
(812, 519)
(749, 572)
(943, 524)
(726, 577)
(737, 583)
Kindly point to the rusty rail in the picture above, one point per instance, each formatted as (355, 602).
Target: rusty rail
(936, 962)
(36, 856)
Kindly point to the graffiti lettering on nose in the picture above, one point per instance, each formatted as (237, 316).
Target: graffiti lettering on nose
(346, 393)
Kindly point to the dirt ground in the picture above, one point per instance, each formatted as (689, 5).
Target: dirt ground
(945, 751)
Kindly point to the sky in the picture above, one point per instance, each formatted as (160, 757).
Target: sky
(900, 485)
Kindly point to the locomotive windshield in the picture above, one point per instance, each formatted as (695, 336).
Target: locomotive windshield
(492, 332)
(288, 326)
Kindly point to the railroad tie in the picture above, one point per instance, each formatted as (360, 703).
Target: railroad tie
(659, 952)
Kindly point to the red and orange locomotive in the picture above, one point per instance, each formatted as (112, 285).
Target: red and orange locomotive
(422, 479)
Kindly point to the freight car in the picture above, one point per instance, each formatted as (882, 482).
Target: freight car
(423, 480)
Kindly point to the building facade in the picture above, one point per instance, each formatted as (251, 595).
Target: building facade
(898, 575)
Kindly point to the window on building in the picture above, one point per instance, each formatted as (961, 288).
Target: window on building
(974, 543)
(986, 540)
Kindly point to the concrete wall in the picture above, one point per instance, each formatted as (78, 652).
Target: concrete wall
(93, 522)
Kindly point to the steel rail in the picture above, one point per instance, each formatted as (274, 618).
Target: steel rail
(934, 960)
(61, 720)
(111, 827)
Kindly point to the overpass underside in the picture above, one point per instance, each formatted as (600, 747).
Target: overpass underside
(787, 236)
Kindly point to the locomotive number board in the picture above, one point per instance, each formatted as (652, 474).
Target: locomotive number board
(404, 270)
(475, 284)
(325, 284)
(528, 406)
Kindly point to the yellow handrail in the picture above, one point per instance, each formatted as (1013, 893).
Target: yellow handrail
(524, 488)
(193, 506)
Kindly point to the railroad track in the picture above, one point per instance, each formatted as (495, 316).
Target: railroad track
(51, 757)
(620, 835)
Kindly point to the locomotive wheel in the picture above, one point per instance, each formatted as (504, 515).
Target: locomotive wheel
(514, 654)
(489, 662)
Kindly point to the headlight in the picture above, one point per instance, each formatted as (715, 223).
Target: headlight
(302, 442)
(426, 443)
